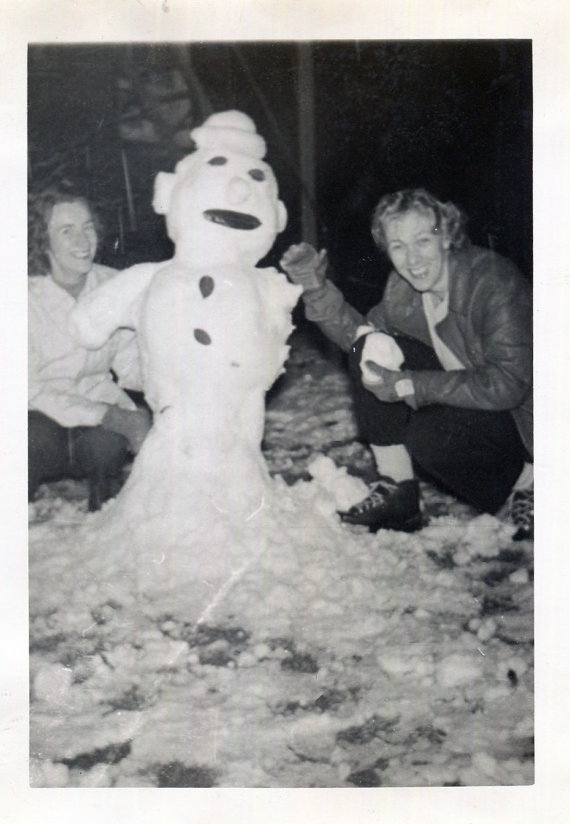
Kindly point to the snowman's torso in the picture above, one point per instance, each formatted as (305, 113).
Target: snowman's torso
(210, 334)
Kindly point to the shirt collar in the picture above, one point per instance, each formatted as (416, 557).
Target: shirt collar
(91, 281)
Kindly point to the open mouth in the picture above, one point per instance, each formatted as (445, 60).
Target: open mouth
(233, 220)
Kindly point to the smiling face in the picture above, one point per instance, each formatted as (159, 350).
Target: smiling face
(417, 251)
(225, 203)
(72, 244)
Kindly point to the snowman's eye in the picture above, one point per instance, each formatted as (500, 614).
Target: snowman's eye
(219, 160)
(257, 174)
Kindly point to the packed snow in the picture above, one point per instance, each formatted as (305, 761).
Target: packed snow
(293, 651)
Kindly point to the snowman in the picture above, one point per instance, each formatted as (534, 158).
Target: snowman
(212, 329)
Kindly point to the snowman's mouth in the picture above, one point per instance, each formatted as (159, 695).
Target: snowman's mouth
(233, 220)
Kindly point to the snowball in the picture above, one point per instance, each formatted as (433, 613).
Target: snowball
(97, 776)
(445, 579)
(395, 665)
(458, 670)
(322, 468)
(481, 537)
(514, 663)
(383, 350)
(343, 770)
(497, 693)
(345, 490)
(487, 629)
(48, 774)
(325, 506)
(524, 728)
(462, 557)
(247, 659)
(485, 763)
(519, 577)
(313, 736)
(262, 651)
(53, 683)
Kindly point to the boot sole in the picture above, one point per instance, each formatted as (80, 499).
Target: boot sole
(410, 525)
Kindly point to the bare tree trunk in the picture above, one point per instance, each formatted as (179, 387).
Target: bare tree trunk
(193, 82)
(306, 115)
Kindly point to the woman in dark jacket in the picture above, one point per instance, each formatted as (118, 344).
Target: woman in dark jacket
(442, 366)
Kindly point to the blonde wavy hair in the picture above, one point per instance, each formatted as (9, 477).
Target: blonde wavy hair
(449, 219)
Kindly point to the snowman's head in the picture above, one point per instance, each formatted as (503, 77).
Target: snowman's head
(222, 200)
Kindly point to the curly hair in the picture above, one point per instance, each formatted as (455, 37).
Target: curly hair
(448, 217)
(41, 203)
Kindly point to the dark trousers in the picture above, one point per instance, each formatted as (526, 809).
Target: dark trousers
(475, 454)
(91, 452)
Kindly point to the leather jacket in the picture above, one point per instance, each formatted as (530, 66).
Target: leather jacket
(488, 327)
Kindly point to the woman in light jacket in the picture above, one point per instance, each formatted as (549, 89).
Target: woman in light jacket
(81, 422)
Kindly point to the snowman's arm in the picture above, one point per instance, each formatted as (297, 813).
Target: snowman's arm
(127, 361)
(112, 305)
(279, 294)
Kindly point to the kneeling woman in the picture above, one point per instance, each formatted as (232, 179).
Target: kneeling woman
(81, 422)
(450, 389)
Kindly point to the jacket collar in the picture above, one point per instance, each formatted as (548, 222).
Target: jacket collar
(460, 280)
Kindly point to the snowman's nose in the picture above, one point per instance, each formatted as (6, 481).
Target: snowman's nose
(238, 191)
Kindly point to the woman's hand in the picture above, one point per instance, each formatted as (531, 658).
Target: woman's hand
(389, 386)
(305, 266)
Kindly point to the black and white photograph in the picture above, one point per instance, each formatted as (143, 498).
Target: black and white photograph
(280, 414)
(281, 319)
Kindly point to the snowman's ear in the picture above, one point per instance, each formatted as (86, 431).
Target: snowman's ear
(163, 186)
(281, 216)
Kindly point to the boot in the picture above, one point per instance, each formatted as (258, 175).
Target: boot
(390, 505)
(522, 513)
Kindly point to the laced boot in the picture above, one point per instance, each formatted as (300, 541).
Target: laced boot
(522, 513)
(390, 505)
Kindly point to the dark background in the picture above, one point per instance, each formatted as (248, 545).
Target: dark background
(452, 116)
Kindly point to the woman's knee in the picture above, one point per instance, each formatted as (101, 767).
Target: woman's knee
(456, 448)
(48, 453)
(97, 451)
(43, 431)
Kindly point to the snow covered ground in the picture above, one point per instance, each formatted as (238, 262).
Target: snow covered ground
(332, 658)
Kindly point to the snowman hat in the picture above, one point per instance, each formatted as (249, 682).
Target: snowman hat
(231, 131)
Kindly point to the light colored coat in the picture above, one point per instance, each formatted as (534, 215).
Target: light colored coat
(66, 381)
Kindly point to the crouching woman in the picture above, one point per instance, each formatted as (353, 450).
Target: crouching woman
(442, 366)
(81, 422)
